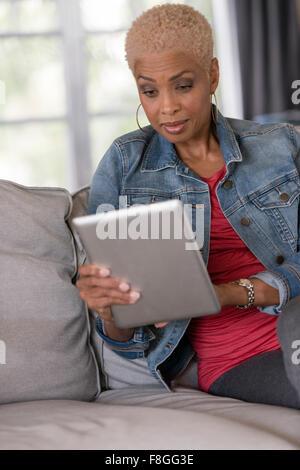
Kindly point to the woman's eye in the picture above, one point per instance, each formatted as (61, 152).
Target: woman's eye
(149, 92)
(184, 87)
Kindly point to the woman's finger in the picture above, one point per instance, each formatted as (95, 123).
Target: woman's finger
(109, 283)
(161, 324)
(93, 270)
(98, 304)
(98, 292)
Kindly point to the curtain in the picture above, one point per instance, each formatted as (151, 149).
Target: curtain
(269, 50)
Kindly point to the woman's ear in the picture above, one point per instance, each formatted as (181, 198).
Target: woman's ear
(214, 75)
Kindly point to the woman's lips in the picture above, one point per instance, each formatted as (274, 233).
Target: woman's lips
(174, 127)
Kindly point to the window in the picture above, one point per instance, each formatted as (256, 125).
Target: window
(65, 88)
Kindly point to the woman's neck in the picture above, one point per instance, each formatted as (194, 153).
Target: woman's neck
(203, 155)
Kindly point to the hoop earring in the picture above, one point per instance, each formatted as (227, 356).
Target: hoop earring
(137, 119)
(212, 110)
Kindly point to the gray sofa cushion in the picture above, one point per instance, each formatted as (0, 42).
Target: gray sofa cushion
(79, 208)
(149, 418)
(45, 349)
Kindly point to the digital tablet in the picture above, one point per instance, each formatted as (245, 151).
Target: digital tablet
(153, 247)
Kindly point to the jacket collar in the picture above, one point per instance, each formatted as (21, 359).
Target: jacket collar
(162, 154)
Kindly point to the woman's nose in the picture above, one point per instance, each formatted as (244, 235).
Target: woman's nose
(169, 105)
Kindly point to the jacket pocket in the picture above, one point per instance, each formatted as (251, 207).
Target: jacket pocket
(280, 205)
(280, 196)
(137, 199)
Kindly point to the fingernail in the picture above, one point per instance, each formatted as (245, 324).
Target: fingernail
(104, 272)
(124, 286)
(134, 296)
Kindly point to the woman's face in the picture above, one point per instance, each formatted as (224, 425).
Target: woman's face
(175, 94)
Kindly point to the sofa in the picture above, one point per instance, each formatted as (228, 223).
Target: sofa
(55, 370)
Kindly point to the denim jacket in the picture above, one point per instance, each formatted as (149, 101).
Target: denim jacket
(261, 202)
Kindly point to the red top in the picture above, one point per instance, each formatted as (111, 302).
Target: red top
(224, 340)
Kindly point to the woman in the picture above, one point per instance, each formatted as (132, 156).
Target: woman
(247, 177)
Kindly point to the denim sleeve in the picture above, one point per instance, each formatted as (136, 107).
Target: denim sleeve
(132, 349)
(286, 277)
(275, 281)
(107, 182)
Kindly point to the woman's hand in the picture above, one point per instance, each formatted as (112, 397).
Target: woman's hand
(233, 294)
(100, 292)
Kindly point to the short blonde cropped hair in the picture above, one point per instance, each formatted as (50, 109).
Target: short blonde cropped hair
(173, 27)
